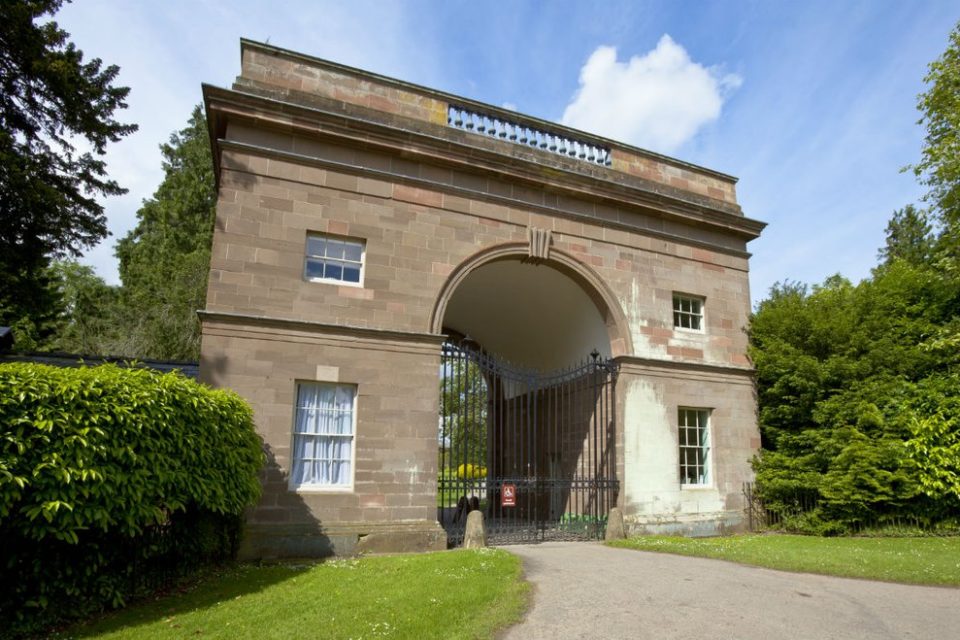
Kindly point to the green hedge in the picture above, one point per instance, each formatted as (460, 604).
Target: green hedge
(110, 476)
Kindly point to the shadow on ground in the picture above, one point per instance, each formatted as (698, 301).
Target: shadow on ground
(214, 585)
(210, 589)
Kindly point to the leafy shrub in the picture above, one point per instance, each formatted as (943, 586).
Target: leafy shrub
(471, 471)
(109, 475)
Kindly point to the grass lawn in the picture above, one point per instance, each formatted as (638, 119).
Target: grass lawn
(933, 561)
(452, 594)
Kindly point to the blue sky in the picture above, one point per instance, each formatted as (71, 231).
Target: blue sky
(811, 104)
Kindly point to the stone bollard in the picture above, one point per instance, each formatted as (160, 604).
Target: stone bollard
(475, 535)
(615, 530)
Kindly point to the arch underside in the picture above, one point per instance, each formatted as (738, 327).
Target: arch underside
(541, 315)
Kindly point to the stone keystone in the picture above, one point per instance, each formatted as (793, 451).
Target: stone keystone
(475, 536)
(615, 530)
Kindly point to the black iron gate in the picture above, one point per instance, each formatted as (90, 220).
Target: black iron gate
(548, 439)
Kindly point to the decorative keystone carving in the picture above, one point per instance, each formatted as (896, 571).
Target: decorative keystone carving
(539, 243)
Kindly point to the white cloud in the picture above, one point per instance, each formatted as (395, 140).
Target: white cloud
(657, 101)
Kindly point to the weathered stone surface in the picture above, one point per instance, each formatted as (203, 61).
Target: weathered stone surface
(276, 541)
(615, 530)
(433, 539)
(475, 535)
(690, 525)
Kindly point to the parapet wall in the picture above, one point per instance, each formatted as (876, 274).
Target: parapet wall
(264, 66)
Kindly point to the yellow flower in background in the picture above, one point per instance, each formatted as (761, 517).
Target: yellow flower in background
(470, 470)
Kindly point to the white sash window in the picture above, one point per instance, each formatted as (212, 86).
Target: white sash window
(694, 437)
(323, 436)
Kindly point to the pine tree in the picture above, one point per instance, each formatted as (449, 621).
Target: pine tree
(52, 103)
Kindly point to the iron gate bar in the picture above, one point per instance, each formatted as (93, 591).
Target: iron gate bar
(548, 434)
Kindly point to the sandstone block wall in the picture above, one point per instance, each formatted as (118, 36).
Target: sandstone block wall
(304, 146)
(416, 236)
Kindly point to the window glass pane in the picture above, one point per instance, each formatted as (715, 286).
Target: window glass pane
(333, 271)
(315, 246)
(687, 313)
(352, 251)
(329, 422)
(351, 274)
(344, 397)
(344, 424)
(334, 249)
(314, 268)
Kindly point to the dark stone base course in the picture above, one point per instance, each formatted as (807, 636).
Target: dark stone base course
(282, 541)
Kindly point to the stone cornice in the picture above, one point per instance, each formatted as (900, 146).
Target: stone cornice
(628, 364)
(347, 331)
(352, 130)
(637, 364)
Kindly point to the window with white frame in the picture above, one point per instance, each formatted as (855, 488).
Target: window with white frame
(687, 312)
(323, 436)
(333, 259)
(694, 437)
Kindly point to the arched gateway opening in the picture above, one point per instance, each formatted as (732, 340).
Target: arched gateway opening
(527, 425)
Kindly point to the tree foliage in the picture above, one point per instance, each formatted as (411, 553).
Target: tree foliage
(939, 105)
(56, 120)
(165, 259)
(463, 406)
(909, 237)
(90, 322)
(859, 385)
(850, 394)
(164, 263)
(99, 467)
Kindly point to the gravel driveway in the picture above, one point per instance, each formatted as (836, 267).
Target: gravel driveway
(586, 590)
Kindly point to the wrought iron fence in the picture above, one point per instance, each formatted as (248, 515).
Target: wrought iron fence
(546, 509)
(545, 440)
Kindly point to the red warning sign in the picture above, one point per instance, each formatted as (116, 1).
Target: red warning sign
(508, 496)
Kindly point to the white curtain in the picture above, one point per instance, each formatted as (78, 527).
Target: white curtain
(323, 437)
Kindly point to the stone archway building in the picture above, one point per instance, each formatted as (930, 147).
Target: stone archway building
(352, 210)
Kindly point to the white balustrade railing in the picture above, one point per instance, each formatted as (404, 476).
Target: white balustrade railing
(503, 129)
